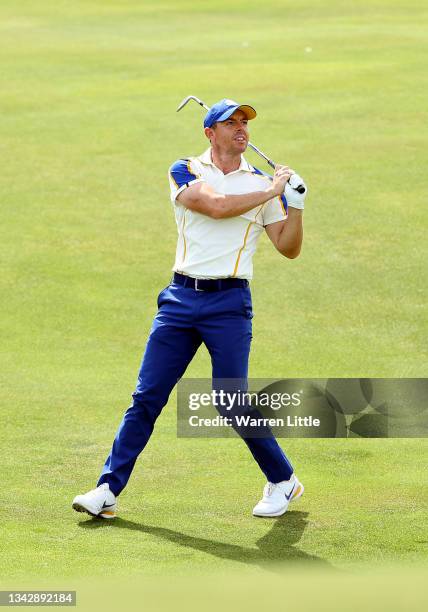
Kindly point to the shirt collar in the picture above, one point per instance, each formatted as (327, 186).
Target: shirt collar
(206, 158)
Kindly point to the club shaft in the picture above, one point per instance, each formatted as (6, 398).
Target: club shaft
(265, 157)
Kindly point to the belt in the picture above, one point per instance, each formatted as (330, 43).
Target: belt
(209, 284)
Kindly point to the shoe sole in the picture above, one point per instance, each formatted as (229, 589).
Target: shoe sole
(103, 515)
(298, 493)
(273, 515)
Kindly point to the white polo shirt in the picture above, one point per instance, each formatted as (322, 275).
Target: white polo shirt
(220, 248)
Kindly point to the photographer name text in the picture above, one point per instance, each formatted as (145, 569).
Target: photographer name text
(247, 421)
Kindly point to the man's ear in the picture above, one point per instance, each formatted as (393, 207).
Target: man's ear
(208, 133)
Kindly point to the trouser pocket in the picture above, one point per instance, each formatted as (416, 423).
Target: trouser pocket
(247, 303)
(160, 296)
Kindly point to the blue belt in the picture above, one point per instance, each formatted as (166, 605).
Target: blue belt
(209, 284)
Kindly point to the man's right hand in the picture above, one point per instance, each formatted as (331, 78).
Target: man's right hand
(280, 178)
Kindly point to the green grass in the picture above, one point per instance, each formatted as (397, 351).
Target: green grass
(88, 130)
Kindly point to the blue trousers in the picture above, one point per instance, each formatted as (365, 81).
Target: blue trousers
(185, 319)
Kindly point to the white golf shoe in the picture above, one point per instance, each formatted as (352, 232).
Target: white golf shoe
(98, 502)
(276, 497)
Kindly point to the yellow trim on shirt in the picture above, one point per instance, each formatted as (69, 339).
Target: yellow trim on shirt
(235, 270)
(283, 207)
(189, 168)
(184, 237)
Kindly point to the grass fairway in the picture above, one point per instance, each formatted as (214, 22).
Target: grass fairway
(88, 129)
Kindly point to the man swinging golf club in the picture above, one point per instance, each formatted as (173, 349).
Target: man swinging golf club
(222, 204)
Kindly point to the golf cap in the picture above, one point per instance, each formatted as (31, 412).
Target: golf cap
(224, 109)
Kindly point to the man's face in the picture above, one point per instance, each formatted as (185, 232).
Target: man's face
(230, 135)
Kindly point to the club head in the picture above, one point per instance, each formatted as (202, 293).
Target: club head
(187, 99)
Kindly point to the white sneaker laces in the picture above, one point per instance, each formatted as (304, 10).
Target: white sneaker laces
(269, 489)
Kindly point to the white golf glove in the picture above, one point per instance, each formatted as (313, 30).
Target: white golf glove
(294, 198)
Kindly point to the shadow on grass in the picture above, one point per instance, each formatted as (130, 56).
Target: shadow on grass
(276, 547)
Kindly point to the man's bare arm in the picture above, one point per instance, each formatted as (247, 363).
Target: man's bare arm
(202, 198)
(287, 236)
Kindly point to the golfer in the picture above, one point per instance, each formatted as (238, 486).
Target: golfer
(222, 204)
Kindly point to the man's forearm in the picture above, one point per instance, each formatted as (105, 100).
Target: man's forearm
(291, 236)
(225, 206)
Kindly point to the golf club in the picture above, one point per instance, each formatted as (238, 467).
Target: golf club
(299, 188)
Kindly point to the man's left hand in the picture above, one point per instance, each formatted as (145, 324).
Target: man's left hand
(294, 198)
